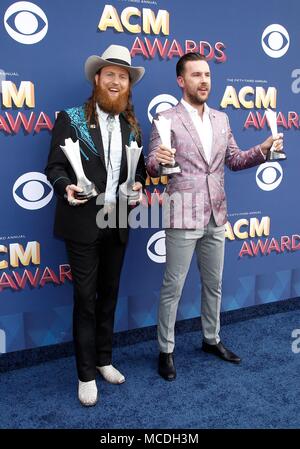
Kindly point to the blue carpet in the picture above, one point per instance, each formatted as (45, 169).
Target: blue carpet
(262, 392)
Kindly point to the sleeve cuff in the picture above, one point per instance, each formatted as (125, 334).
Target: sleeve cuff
(59, 186)
(263, 155)
(140, 179)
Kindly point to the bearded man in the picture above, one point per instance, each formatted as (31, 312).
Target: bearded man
(104, 125)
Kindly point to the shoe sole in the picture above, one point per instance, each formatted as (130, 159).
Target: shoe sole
(113, 383)
(168, 379)
(88, 404)
(222, 358)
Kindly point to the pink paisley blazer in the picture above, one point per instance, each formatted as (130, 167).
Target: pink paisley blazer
(197, 175)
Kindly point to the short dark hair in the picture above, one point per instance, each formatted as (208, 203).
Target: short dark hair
(188, 57)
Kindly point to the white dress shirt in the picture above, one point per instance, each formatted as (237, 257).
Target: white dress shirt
(203, 127)
(113, 169)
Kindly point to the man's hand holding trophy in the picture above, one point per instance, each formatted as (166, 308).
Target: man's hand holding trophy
(85, 189)
(165, 155)
(273, 146)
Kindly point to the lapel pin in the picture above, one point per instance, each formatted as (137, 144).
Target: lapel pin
(92, 126)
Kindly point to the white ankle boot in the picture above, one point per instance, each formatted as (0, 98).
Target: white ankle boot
(111, 374)
(87, 392)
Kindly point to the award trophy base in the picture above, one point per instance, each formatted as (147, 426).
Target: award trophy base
(126, 193)
(88, 191)
(276, 156)
(169, 169)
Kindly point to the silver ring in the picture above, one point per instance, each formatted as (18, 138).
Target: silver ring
(73, 203)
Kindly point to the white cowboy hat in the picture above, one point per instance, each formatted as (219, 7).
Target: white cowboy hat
(113, 55)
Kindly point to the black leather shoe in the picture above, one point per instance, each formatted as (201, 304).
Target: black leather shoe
(166, 368)
(221, 352)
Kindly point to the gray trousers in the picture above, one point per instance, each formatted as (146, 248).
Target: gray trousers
(209, 245)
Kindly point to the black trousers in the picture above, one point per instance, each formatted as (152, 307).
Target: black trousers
(96, 269)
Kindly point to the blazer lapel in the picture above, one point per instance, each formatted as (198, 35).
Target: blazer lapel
(215, 131)
(189, 125)
(95, 133)
(125, 132)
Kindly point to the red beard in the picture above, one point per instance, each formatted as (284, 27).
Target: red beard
(111, 105)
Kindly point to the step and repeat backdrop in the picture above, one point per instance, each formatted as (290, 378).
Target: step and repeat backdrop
(254, 58)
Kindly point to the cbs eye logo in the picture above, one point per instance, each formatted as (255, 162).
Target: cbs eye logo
(158, 251)
(275, 41)
(269, 176)
(160, 103)
(32, 191)
(22, 21)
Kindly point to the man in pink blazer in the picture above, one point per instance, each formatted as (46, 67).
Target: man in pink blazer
(202, 143)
